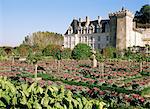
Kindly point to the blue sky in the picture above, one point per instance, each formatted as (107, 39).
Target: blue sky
(19, 18)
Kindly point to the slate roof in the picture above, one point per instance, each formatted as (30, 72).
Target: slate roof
(75, 24)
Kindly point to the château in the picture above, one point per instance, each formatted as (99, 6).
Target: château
(118, 31)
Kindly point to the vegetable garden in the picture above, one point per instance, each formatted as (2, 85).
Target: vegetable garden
(75, 84)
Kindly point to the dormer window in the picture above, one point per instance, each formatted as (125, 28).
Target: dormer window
(97, 29)
(70, 30)
(84, 30)
(91, 29)
(79, 30)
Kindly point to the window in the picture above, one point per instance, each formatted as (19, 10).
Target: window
(82, 31)
(103, 28)
(79, 31)
(91, 38)
(107, 38)
(86, 30)
(97, 29)
(79, 39)
(99, 38)
(92, 30)
(85, 38)
(99, 46)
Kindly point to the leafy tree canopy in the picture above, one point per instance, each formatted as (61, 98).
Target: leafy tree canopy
(81, 51)
(52, 50)
(43, 39)
(143, 16)
(24, 50)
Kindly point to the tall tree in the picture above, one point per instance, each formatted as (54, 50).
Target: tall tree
(143, 16)
(43, 39)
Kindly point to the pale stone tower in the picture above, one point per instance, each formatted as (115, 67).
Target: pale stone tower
(121, 28)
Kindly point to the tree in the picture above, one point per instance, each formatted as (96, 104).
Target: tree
(2, 51)
(24, 50)
(81, 51)
(52, 50)
(43, 39)
(143, 16)
(34, 57)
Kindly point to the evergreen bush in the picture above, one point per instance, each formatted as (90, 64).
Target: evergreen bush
(81, 51)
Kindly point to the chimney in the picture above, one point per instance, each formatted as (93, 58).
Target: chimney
(99, 19)
(80, 20)
(87, 21)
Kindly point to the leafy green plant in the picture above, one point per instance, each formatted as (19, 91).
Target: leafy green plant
(51, 50)
(81, 51)
(66, 53)
(109, 52)
(33, 96)
(145, 91)
(143, 73)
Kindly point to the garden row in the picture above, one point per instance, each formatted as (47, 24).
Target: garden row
(117, 85)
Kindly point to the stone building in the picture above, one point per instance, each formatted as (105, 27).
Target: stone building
(118, 31)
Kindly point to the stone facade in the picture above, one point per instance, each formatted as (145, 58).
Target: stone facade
(117, 31)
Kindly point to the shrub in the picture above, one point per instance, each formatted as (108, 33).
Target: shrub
(32, 58)
(99, 56)
(2, 51)
(24, 50)
(109, 52)
(81, 51)
(66, 53)
(52, 50)
(8, 50)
